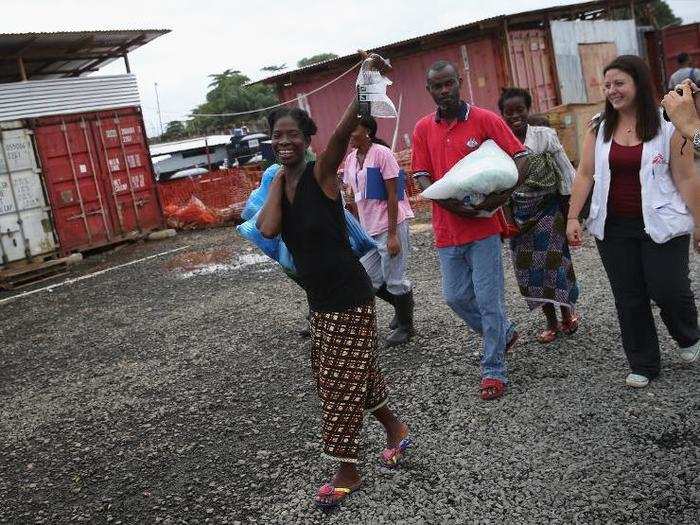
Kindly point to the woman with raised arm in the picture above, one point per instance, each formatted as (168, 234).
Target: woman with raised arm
(304, 205)
(645, 205)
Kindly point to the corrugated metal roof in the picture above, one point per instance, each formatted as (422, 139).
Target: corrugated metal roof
(39, 98)
(561, 10)
(67, 53)
(189, 144)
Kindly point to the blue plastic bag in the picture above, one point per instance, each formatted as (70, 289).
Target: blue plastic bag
(360, 242)
(258, 195)
(249, 230)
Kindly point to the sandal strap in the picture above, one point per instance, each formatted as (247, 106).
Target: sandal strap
(331, 490)
(392, 455)
(490, 382)
(571, 322)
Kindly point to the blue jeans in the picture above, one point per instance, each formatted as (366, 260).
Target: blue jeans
(473, 286)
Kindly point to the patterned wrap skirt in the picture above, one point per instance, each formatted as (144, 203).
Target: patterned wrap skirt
(541, 256)
(348, 379)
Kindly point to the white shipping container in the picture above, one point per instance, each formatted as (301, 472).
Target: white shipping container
(26, 230)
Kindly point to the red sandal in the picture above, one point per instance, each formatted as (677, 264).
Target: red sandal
(570, 326)
(329, 496)
(492, 388)
(548, 336)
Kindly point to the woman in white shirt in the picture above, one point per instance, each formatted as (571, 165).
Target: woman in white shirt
(644, 206)
(541, 256)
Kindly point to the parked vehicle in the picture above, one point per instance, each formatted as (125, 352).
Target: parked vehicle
(242, 149)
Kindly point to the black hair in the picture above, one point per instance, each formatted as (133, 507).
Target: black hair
(370, 124)
(683, 58)
(439, 65)
(306, 124)
(648, 119)
(514, 92)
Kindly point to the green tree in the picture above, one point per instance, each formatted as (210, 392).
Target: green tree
(230, 92)
(174, 130)
(321, 57)
(658, 14)
(664, 15)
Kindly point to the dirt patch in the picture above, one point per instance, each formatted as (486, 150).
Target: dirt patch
(195, 259)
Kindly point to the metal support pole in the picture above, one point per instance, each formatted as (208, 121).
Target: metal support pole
(553, 62)
(126, 63)
(510, 75)
(206, 148)
(160, 118)
(22, 70)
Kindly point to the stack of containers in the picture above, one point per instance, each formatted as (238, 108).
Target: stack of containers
(75, 170)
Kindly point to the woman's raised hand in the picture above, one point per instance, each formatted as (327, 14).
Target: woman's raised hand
(374, 61)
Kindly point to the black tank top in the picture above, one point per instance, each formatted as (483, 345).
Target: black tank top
(313, 228)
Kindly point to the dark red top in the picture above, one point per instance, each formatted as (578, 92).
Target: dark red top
(625, 198)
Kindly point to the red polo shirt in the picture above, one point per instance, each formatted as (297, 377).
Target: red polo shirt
(438, 145)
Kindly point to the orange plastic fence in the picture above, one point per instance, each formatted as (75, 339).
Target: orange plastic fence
(213, 198)
(419, 204)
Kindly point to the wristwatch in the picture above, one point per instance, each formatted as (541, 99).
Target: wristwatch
(696, 140)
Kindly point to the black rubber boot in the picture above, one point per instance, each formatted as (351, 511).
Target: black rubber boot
(404, 311)
(390, 298)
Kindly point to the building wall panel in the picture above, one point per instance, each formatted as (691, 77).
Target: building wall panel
(479, 62)
(566, 37)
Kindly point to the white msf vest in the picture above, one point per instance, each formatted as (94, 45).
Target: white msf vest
(663, 209)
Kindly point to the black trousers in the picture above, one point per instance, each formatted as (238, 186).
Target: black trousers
(641, 271)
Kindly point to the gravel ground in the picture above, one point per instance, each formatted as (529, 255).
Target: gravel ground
(160, 393)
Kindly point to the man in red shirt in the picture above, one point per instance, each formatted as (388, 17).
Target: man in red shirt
(469, 247)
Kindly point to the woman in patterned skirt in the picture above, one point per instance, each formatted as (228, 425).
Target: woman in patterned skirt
(541, 255)
(304, 205)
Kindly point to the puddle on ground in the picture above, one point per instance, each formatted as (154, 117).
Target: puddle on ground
(196, 263)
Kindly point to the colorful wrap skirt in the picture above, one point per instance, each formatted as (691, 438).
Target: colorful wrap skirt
(541, 255)
(347, 375)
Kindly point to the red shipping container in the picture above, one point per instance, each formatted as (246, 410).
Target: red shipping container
(663, 48)
(98, 176)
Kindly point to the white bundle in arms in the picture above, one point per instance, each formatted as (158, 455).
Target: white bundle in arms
(371, 87)
(482, 172)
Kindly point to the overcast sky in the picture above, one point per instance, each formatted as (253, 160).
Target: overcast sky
(209, 36)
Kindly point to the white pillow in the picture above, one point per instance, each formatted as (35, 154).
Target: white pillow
(485, 170)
